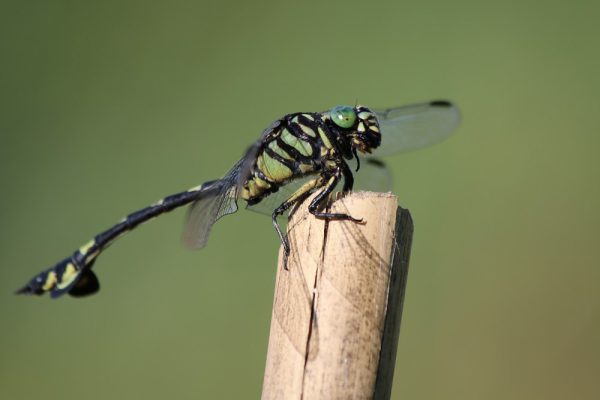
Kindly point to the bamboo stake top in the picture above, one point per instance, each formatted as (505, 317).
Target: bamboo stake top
(337, 306)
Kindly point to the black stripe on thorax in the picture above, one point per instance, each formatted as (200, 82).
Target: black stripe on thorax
(295, 130)
(292, 151)
(291, 164)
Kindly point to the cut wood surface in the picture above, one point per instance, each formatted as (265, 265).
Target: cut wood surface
(337, 308)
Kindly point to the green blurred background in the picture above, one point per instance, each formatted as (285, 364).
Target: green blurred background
(109, 106)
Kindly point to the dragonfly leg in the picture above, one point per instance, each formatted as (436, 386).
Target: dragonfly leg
(317, 202)
(284, 242)
(299, 195)
(354, 152)
(348, 177)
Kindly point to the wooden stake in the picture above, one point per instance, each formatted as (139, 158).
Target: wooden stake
(337, 309)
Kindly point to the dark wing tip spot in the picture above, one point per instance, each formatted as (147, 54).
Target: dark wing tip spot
(440, 103)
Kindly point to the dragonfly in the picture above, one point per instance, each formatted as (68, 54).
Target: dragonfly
(298, 155)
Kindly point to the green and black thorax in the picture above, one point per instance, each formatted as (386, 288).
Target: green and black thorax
(303, 144)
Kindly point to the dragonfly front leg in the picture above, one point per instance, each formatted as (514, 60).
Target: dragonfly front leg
(348, 177)
(317, 203)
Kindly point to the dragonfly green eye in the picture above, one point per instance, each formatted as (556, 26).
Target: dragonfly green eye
(343, 116)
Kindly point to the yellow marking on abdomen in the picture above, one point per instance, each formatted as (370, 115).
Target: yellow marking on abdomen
(195, 188)
(50, 281)
(254, 188)
(90, 257)
(261, 183)
(68, 276)
(86, 247)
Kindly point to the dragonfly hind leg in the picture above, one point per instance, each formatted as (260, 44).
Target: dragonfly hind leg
(299, 196)
(315, 205)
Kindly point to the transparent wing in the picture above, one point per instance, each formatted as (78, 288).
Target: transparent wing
(373, 176)
(414, 126)
(246, 164)
(268, 204)
(215, 200)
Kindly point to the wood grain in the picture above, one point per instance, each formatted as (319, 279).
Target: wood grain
(337, 309)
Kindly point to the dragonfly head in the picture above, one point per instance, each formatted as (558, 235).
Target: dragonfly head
(359, 125)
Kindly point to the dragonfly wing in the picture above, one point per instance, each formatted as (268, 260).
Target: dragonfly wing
(268, 204)
(373, 176)
(215, 200)
(222, 199)
(246, 164)
(414, 126)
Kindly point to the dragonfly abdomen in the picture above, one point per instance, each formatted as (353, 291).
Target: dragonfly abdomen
(73, 274)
